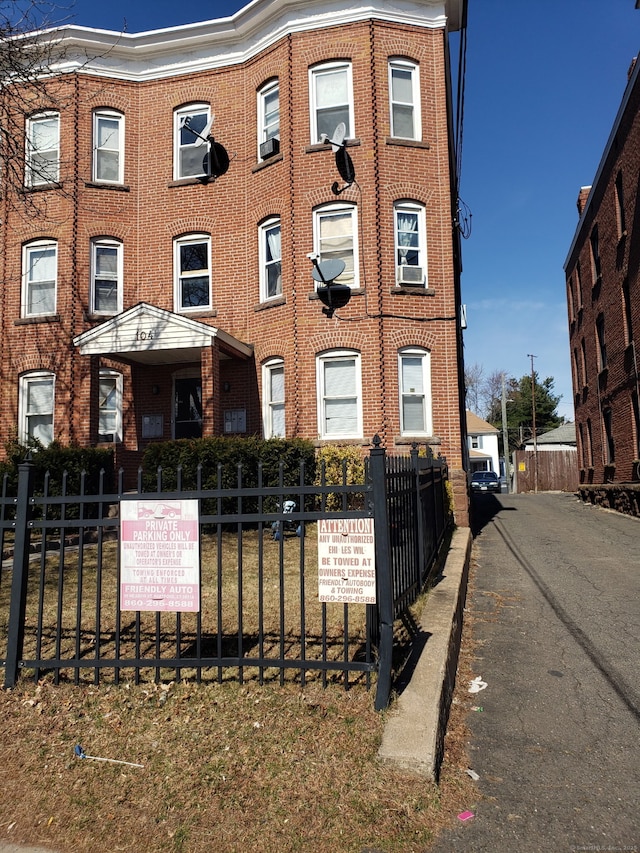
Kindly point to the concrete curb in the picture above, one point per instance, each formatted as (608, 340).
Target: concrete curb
(413, 737)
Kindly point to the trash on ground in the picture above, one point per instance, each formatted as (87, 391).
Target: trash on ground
(472, 773)
(79, 751)
(477, 684)
(466, 815)
(477, 708)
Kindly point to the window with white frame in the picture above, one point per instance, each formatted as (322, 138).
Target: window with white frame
(336, 238)
(190, 148)
(108, 147)
(270, 259)
(411, 244)
(273, 398)
(35, 407)
(414, 365)
(192, 260)
(339, 384)
(269, 120)
(43, 149)
(40, 273)
(331, 98)
(106, 276)
(404, 99)
(110, 406)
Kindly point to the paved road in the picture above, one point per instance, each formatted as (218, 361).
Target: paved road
(555, 609)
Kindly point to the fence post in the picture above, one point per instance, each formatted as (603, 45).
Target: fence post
(22, 539)
(420, 511)
(384, 583)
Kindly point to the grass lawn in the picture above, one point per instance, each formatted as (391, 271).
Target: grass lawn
(226, 766)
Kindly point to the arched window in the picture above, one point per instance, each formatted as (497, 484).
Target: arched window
(110, 406)
(108, 146)
(35, 407)
(331, 99)
(269, 120)
(273, 411)
(39, 277)
(270, 251)
(404, 98)
(411, 243)
(339, 385)
(414, 381)
(42, 149)
(335, 234)
(106, 276)
(189, 150)
(192, 264)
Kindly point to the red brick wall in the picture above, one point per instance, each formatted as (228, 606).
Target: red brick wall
(153, 209)
(614, 387)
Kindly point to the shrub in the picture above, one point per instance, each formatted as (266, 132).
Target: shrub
(226, 462)
(337, 465)
(58, 460)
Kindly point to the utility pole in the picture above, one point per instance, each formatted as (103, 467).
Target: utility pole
(533, 424)
(505, 437)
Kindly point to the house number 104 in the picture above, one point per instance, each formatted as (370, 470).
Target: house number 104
(144, 336)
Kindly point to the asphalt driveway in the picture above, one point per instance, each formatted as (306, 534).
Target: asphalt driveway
(554, 611)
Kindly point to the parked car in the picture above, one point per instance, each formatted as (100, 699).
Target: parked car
(485, 481)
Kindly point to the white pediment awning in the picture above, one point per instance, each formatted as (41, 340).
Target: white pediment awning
(151, 335)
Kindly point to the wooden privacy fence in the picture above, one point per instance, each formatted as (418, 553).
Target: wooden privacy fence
(259, 614)
(557, 470)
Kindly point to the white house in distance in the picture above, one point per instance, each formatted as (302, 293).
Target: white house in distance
(483, 445)
(560, 438)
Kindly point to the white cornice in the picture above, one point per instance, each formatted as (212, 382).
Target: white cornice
(186, 49)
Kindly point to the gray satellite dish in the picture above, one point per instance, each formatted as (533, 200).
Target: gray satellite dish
(325, 271)
(204, 136)
(337, 141)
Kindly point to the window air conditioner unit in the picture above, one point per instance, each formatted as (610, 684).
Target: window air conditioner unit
(269, 148)
(410, 275)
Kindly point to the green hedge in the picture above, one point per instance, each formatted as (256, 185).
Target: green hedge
(229, 453)
(57, 459)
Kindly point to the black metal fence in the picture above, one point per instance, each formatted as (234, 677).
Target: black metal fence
(259, 613)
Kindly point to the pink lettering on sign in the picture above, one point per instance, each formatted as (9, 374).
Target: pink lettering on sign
(160, 556)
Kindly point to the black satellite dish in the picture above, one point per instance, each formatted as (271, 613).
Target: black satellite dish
(344, 163)
(332, 296)
(216, 160)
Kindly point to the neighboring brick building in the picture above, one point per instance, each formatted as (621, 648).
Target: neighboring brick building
(143, 302)
(603, 288)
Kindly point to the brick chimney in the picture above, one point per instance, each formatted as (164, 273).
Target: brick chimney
(582, 199)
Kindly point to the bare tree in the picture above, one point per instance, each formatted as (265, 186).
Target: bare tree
(26, 86)
(473, 380)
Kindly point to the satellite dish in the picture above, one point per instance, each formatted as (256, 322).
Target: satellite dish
(203, 137)
(344, 163)
(216, 161)
(334, 297)
(337, 142)
(327, 271)
(345, 166)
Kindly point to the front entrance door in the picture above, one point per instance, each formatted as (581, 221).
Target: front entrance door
(188, 408)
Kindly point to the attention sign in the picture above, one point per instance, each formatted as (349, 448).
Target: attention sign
(346, 560)
(159, 555)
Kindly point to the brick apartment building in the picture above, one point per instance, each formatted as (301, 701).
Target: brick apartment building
(143, 302)
(603, 290)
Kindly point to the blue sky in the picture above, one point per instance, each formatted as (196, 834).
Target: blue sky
(543, 86)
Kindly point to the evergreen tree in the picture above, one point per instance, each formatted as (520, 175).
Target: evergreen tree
(520, 408)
